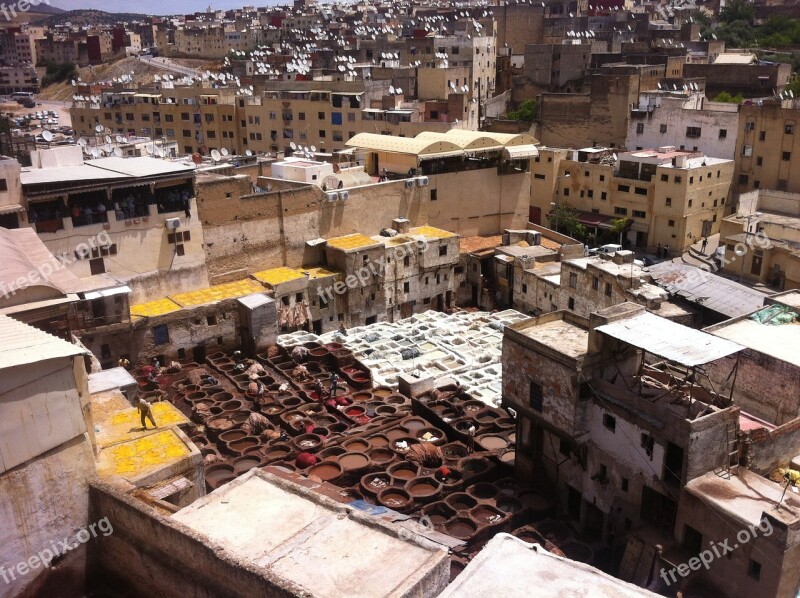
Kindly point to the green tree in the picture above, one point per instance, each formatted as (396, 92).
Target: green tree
(56, 72)
(526, 111)
(728, 98)
(738, 10)
(618, 226)
(565, 220)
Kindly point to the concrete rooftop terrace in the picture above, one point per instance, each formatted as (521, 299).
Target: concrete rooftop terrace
(556, 333)
(311, 545)
(511, 568)
(781, 341)
(746, 497)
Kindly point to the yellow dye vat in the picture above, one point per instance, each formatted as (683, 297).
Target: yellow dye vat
(354, 241)
(431, 232)
(276, 276)
(126, 424)
(320, 272)
(218, 292)
(142, 455)
(154, 308)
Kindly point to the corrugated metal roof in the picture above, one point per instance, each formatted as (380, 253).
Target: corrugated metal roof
(713, 292)
(141, 166)
(23, 344)
(665, 338)
(477, 142)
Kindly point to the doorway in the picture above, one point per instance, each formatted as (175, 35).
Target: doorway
(199, 354)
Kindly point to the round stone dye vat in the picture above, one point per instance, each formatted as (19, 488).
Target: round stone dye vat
(326, 470)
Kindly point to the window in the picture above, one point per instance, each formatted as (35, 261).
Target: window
(621, 211)
(595, 283)
(723, 133)
(573, 280)
(623, 188)
(691, 180)
(3, 185)
(322, 133)
(571, 303)
(639, 128)
(639, 214)
(434, 195)
(602, 177)
(406, 261)
(648, 443)
(442, 250)
(608, 289)
(536, 397)
(406, 287)
(97, 266)
(671, 223)
(566, 192)
(668, 201)
(759, 161)
(624, 485)
(693, 131)
(754, 569)
(610, 422)
(789, 129)
(678, 179)
(539, 176)
(640, 191)
(743, 178)
(786, 156)
(211, 320)
(749, 126)
(524, 288)
(603, 195)
(665, 177)
(663, 128)
(160, 334)
(762, 136)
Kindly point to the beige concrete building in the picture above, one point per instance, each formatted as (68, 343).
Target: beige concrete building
(478, 182)
(320, 114)
(762, 238)
(767, 146)
(667, 197)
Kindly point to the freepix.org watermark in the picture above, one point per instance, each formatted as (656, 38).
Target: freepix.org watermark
(10, 11)
(57, 548)
(372, 268)
(717, 550)
(42, 272)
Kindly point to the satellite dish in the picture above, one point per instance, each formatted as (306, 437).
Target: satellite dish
(248, 152)
(119, 139)
(198, 159)
(159, 151)
(95, 152)
(740, 249)
(224, 151)
(313, 148)
(108, 139)
(118, 152)
(47, 136)
(108, 148)
(293, 145)
(215, 155)
(81, 142)
(99, 128)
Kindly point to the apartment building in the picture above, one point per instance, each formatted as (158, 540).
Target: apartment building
(667, 197)
(18, 78)
(593, 416)
(553, 67)
(768, 146)
(761, 239)
(212, 40)
(17, 47)
(687, 121)
(320, 114)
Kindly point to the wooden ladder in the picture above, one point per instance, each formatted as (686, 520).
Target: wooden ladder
(732, 443)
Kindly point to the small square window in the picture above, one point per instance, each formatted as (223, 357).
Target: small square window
(786, 156)
(211, 320)
(442, 250)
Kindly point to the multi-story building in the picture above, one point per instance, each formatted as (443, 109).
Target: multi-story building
(18, 78)
(687, 121)
(17, 47)
(479, 182)
(320, 114)
(553, 67)
(740, 74)
(768, 146)
(667, 197)
(762, 237)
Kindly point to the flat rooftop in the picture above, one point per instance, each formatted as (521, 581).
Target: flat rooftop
(509, 567)
(311, 545)
(559, 335)
(780, 341)
(352, 242)
(275, 276)
(745, 497)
